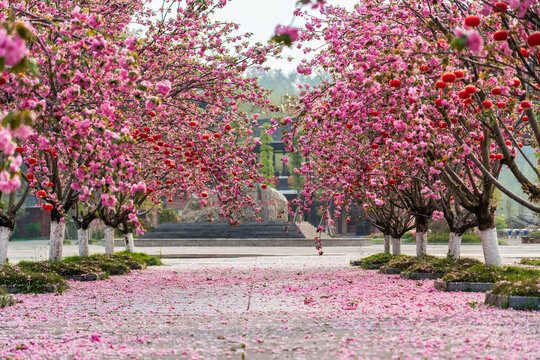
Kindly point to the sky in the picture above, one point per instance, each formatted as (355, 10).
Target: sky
(260, 17)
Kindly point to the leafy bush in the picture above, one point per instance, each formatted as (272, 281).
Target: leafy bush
(500, 223)
(407, 237)
(525, 287)
(490, 274)
(471, 239)
(33, 229)
(535, 262)
(30, 282)
(96, 235)
(149, 260)
(438, 238)
(467, 238)
(62, 268)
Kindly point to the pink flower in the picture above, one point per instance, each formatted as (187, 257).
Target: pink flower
(288, 30)
(438, 215)
(400, 125)
(164, 87)
(8, 183)
(475, 43)
(95, 338)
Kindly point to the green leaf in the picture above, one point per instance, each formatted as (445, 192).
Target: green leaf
(459, 43)
(7, 120)
(23, 32)
(21, 67)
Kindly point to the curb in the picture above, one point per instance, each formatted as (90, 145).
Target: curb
(421, 276)
(462, 286)
(87, 277)
(514, 302)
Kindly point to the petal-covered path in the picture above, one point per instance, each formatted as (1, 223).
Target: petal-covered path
(257, 308)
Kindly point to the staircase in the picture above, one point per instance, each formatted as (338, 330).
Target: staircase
(265, 234)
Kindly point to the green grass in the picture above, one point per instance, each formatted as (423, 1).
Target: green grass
(7, 300)
(491, 274)
(376, 259)
(525, 287)
(404, 262)
(534, 262)
(109, 264)
(62, 268)
(40, 276)
(149, 260)
(441, 265)
(30, 282)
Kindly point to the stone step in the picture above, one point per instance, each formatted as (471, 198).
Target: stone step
(244, 242)
(267, 230)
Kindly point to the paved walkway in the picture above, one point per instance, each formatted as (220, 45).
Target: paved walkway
(293, 307)
(38, 250)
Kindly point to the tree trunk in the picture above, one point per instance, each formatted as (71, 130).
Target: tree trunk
(421, 244)
(490, 245)
(5, 233)
(387, 244)
(454, 246)
(396, 246)
(56, 243)
(130, 244)
(421, 224)
(109, 240)
(82, 235)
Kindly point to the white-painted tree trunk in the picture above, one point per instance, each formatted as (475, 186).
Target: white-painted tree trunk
(56, 242)
(130, 244)
(109, 240)
(387, 242)
(396, 246)
(421, 244)
(5, 233)
(454, 246)
(490, 245)
(82, 235)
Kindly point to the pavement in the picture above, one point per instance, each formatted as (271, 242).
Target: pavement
(38, 250)
(279, 307)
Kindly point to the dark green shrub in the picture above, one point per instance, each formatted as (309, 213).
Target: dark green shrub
(168, 216)
(33, 230)
(438, 238)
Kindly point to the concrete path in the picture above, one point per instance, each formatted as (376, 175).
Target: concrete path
(293, 307)
(38, 250)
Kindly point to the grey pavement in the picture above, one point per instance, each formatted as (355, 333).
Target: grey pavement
(38, 250)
